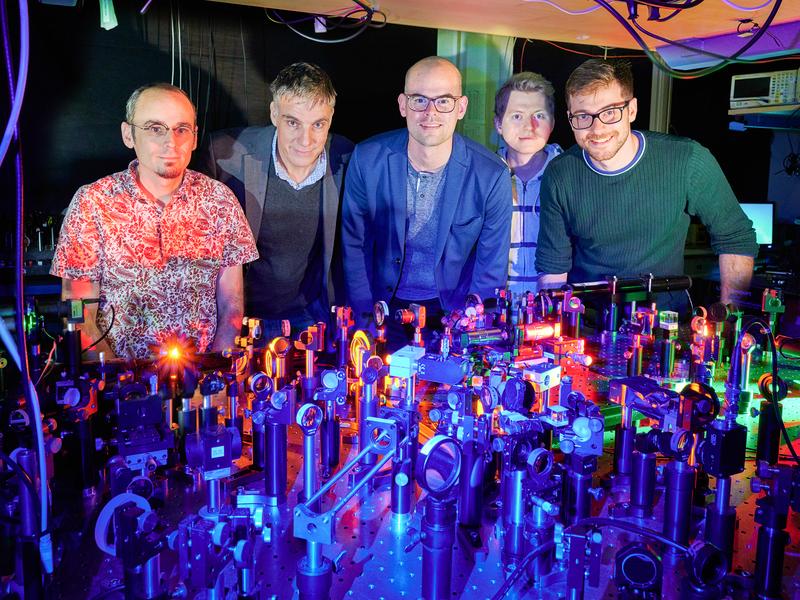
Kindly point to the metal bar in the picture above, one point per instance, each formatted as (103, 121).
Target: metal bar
(339, 505)
(343, 471)
(314, 554)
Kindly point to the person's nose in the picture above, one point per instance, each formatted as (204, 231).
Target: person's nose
(307, 137)
(430, 109)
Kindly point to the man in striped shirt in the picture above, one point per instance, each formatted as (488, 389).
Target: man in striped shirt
(524, 117)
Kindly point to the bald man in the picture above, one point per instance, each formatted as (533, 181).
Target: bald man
(426, 212)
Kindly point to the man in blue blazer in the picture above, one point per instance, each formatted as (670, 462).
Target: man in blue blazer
(426, 212)
(288, 179)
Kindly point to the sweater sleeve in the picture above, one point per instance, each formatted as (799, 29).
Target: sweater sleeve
(554, 245)
(711, 198)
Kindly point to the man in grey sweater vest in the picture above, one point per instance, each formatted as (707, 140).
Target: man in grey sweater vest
(288, 178)
(619, 203)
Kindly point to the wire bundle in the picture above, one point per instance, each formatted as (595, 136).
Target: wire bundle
(363, 16)
(636, 30)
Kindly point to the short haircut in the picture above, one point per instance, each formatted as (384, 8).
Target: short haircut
(524, 82)
(304, 80)
(596, 73)
(130, 105)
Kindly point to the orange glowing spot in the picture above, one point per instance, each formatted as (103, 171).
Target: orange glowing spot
(174, 355)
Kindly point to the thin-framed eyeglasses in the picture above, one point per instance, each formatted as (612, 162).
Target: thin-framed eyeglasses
(442, 104)
(159, 131)
(609, 116)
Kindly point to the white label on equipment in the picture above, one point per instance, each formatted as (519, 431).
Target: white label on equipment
(217, 451)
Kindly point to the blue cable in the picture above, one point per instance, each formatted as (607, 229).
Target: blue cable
(22, 79)
(17, 91)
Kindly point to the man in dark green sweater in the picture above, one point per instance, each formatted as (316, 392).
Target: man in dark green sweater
(620, 201)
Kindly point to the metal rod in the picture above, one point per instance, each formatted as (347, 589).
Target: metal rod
(723, 496)
(309, 363)
(309, 467)
(367, 408)
(371, 473)
(314, 554)
(341, 473)
(214, 494)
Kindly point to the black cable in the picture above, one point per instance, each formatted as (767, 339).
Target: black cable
(672, 15)
(632, 528)
(686, 46)
(662, 66)
(324, 41)
(311, 17)
(774, 349)
(523, 564)
(105, 333)
(670, 5)
(278, 20)
(362, 23)
(778, 416)
(780, 348)
(360, 19)
(791, 162)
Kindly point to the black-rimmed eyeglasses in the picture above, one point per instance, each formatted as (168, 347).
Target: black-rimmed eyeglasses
(609, 116)
(442, 104)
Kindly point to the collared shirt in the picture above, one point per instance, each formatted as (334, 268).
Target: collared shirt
(522, 275)
(313, 177)
(157, 266)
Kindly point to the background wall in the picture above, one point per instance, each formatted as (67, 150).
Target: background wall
(700, 111)
(80, 76)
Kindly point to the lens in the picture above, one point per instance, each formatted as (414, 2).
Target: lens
(640, 570)
(445, 104)
(439, 465)
(404, 316)
(581, 121)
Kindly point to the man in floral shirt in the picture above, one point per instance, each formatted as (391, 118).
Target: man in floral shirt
(162, 246)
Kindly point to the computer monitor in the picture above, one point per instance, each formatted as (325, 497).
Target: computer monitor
(762, 214)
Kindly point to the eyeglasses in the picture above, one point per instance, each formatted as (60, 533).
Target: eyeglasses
(159, 131)
(609, 116)
(442, 104)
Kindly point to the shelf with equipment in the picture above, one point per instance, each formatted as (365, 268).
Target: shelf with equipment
(775, 109)
(780, 117)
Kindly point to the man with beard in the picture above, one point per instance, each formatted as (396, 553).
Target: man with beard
(426, 212)
(160, 245)
(620, 201)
